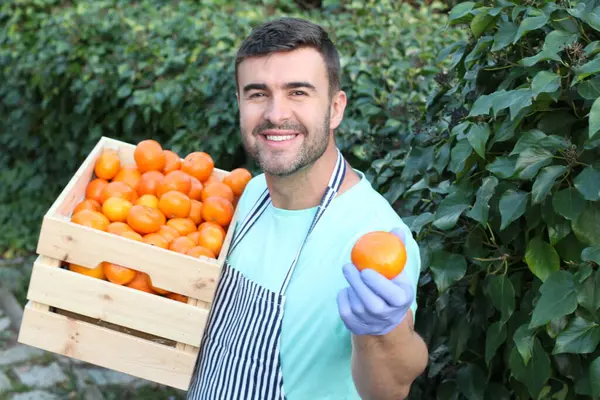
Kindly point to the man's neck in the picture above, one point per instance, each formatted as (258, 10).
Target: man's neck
(306, 188)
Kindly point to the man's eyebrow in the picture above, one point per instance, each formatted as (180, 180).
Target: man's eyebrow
(289, 85)
(254, 86)
(294, 85)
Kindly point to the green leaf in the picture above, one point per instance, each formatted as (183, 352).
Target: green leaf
(586, 225)
(460, 129)
(588, 183)
(590, 89)
(523, 339)
(458, 338)
(416, 223)
(561, 394)
(481, 106)
(531, 160)
(447, 268)
(502, 294)
(449, 210)
(558, 231)
(588, 293)
(520, 99)
(536, 373)
(592, 49)
(595, 377)
(478, 136)
(594, 118)
(480, 210)
(556, 326)
(527, 140)
(545, 82)
(541, 258)
(593, 19)
(459, 12)
(558, 298)
(513, 204)
(502, 167)
(555, 42)
(505, 35)
(496, 335)
(442, 158)
(581, 337)
(569, 249)
(558, 40)
(471, 382)
(459, 154)
(569, 203)
(591, 254)
(587, 69)
(124, 91)
(530, 24)
(544, 182)
(480, 23)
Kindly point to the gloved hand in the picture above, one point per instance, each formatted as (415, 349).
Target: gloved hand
(374, 304)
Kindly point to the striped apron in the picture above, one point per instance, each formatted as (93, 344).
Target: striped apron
(239, 353)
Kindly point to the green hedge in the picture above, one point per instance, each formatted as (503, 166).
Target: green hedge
(501, 185)
(74, 71)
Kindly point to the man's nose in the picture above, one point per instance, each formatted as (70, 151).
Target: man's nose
(278, 110)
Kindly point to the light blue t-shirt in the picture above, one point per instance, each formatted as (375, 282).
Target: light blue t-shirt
(315, 344)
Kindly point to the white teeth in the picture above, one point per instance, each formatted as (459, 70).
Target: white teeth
(280, 138)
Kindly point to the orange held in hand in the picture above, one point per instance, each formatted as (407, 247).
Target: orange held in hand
(381, 251)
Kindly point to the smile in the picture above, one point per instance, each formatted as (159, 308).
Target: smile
(280, 138)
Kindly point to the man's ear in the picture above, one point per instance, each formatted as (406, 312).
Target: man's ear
(338, 105)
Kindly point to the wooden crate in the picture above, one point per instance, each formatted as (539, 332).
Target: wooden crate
(116, 327)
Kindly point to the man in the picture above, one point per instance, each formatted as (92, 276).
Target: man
(292, 317)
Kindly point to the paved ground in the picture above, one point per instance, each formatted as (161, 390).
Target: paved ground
(27, 373)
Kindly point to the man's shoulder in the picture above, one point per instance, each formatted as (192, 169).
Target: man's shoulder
(255, 187)
(359, 210)
(366, 206)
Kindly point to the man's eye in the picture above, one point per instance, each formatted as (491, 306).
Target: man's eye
(298, 93)
(254, 95)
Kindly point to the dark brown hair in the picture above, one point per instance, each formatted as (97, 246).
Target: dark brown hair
(286, 34)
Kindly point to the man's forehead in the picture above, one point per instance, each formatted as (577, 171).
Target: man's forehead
(280, 68)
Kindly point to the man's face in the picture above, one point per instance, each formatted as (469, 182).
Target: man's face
(285, 109)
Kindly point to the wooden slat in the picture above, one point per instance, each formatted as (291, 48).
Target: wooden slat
(175, 272)
(116, 304)
(52, 263)
(106, 348)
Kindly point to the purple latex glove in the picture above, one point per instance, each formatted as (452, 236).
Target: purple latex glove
(374, 304)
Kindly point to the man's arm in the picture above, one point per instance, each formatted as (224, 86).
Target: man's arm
(385, 366)
(388, 354)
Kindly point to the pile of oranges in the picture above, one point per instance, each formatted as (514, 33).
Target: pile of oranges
(177, 204)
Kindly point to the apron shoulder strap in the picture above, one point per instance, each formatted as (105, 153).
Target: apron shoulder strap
(259, 207)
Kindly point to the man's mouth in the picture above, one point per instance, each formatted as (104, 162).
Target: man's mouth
(280, 138)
